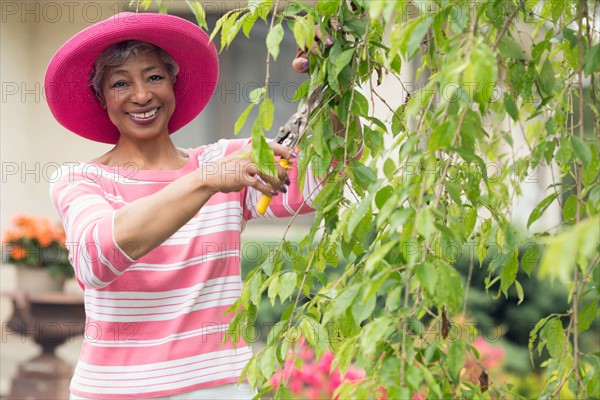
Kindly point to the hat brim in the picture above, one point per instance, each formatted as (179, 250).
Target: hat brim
(67, 83)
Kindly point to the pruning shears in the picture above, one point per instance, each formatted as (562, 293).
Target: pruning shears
(291, 132)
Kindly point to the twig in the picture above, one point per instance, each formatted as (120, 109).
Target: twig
(505, 28)
(579, 171)
(268, 61)
(468, 283)
(385, 103)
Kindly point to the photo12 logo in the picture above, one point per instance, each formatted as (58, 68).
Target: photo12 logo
(58, 11)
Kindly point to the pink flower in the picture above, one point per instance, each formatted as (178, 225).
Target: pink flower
(315, 379)
(489, 356)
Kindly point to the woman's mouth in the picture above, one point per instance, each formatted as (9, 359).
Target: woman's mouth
(144, 118)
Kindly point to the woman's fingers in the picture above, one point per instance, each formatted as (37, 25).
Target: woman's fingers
(259, 184)
(282, 165)
(250, 174)
(300, 63)
(282, 151)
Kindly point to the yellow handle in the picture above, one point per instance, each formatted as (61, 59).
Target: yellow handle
(265, 200)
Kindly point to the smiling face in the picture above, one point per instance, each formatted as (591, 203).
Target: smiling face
(139, 98)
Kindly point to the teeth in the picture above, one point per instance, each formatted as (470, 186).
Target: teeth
(144, 115)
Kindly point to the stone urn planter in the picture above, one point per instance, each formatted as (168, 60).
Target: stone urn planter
(36, 280)
(49, 320)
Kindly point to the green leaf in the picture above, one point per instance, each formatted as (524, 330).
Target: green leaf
(328, 8)
(344, 300)
(360, 104)
(257, 94)
(267, 361)
(432, 383)
(304, 32)
(554, 336)
(372, 333)
(362, 174)
(263, 8)
(456, 358)
(359, 214)
(273, 291)
(582, 150)
(413, 378)
(266, 113)
(511, 107)
(453, 191)
(442, 135)
(450, 289)
(482, 71)
(425, 223)
(249, 21)
(533, 334)
(397, 123)
(341, 61)
(378, 255)
(509, 273)
(254, 288)
(242, 119)
(229, 29)
(274, 38)
(363, 308)
(509, 47)
(383, 195)
(538, 211)
(416, 36)
(520, 293)
(287, 285)
(576, 242)
(262, 154)
(470, 221)
(547, 78)
(564, 154)
(198, 12)
(389, 168)
(590, 60)
(531, 258)
(570, 207)
(375, 8)
(427, 275)
(586, 315)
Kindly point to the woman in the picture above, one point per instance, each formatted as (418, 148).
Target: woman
(154, 230)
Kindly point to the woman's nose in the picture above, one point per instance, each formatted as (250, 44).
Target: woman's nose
(141, 94)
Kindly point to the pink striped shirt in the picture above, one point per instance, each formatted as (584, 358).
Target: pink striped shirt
(155, 326)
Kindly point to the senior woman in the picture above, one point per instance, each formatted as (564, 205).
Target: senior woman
(154, 230)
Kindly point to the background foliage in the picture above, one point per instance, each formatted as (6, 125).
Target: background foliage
(510, 87)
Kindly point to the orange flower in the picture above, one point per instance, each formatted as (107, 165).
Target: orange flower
(18, 253)
(22, 219)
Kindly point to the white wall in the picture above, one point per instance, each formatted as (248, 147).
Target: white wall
(32, 142)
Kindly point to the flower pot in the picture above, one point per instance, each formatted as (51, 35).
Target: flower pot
(37, 280)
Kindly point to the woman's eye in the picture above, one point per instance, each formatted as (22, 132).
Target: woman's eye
(118, 84)
(155, 78)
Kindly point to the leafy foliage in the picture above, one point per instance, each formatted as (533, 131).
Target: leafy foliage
(504, 96)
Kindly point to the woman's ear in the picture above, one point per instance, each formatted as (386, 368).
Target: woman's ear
(100, 100)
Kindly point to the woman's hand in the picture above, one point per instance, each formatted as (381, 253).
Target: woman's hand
(237, 171)
(300, 63)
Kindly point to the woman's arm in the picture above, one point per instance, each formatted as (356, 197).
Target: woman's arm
(144, 224)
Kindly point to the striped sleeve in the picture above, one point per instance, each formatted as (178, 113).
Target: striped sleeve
(88, 219)
(296, 200)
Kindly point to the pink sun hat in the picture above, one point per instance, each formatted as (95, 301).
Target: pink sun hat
(67, 85)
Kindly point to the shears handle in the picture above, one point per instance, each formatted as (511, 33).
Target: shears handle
(265, 200)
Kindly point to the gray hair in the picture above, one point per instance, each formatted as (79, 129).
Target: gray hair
(117, 54)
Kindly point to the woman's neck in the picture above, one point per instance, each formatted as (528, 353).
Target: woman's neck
(151, 155)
